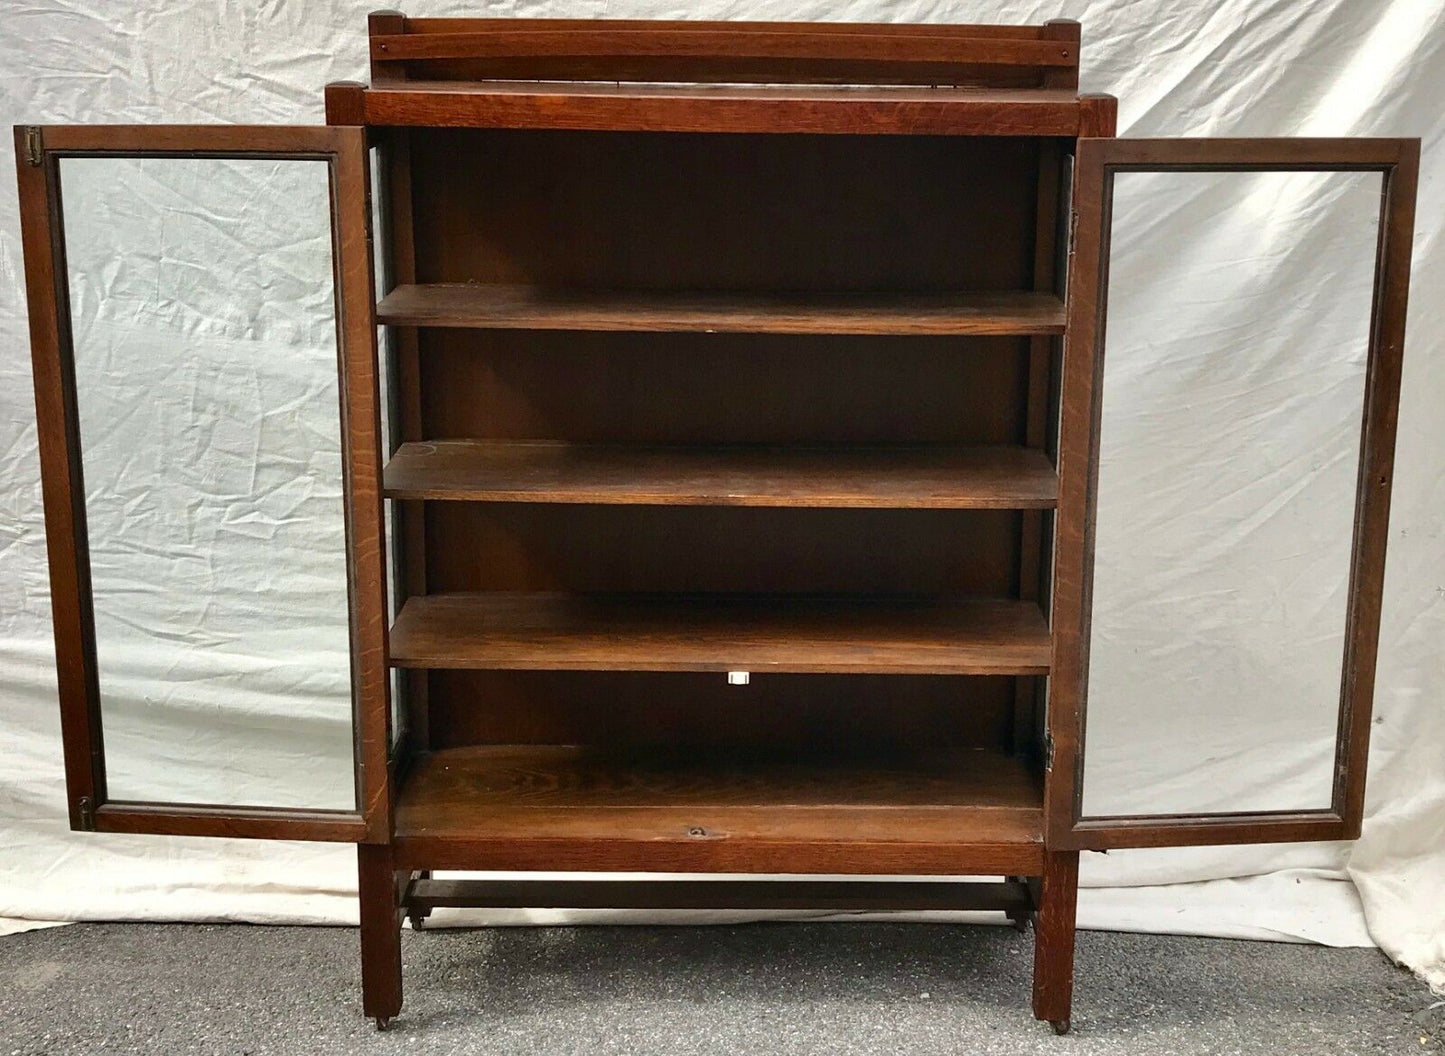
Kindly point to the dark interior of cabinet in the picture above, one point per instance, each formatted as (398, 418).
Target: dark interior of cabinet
(640, 213)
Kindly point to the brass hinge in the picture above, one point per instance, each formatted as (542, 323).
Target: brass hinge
(1048, 751)
(34, 152)
(86, 808)
(1073, 229)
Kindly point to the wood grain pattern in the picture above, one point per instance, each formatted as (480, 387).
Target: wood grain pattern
(725, 55)
(966, 30)
(912, 477)
(641, 212)
(196, 141)
(1376, 481)
(1065, 31)
(728, 214)
(567, 807)
(365, 521)
(345, 103)
(667, 633)
(799, 716)
(1054, 939)
(403, 373)
(61, 474)
(732, 52)
(229, 821)
(381, 986)
(483, 305)
(1077, 461)
(703, 108)
(706, 389)
(703, 41)
(525, 546)
(1035, 542)
(381, 24)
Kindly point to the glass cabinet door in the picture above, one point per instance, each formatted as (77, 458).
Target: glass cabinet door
(1231, 376)
(207, 403)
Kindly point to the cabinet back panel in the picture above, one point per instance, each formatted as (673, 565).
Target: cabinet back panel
(729, 212)
(703, 549)
(787, 716)
(733, 213)
(722, 388)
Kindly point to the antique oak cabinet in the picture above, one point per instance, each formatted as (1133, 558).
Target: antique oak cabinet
(720, 424)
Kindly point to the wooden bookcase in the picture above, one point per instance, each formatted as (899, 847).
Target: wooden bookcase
(682, 392)
(711, 349)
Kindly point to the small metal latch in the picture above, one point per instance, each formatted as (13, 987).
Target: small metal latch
(86, 807)
(737, 678)
(34, 152)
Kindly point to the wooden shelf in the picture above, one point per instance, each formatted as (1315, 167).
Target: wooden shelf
(561, 807)
(901, 477)
(784, 634)
(489, 306)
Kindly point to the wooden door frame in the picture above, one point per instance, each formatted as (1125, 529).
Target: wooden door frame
(38, 151)
(1096, 162)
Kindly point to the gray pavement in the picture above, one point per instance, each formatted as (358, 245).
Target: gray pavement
(755, 989)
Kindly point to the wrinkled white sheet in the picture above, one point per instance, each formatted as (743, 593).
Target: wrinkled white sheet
(1238, 67)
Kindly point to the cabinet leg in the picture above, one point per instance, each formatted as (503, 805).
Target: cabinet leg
(1054, 939)
(380, 934)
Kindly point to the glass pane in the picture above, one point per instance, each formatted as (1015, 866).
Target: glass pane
(1233, 393)
(203, 312)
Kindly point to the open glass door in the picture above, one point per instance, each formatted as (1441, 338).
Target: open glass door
(206, 391)
(1231, 375)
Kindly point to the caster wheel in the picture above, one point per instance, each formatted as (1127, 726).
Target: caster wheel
(1061, 1026)
(1021, 924)
(417, 923)
(382, 1022)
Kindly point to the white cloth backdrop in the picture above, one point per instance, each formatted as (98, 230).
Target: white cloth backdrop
(1240, 67)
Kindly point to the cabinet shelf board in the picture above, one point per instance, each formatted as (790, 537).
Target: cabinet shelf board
(568, 807)
(896, 477)
(807, 634)
(492, 306)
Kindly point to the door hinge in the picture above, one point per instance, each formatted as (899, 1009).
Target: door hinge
(1073, 229)
(34, 152)
(86, 808)
(1048, 751)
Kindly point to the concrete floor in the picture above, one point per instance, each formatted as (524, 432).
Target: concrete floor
(751, 989)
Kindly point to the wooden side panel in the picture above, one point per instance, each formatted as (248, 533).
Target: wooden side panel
(362, 454)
